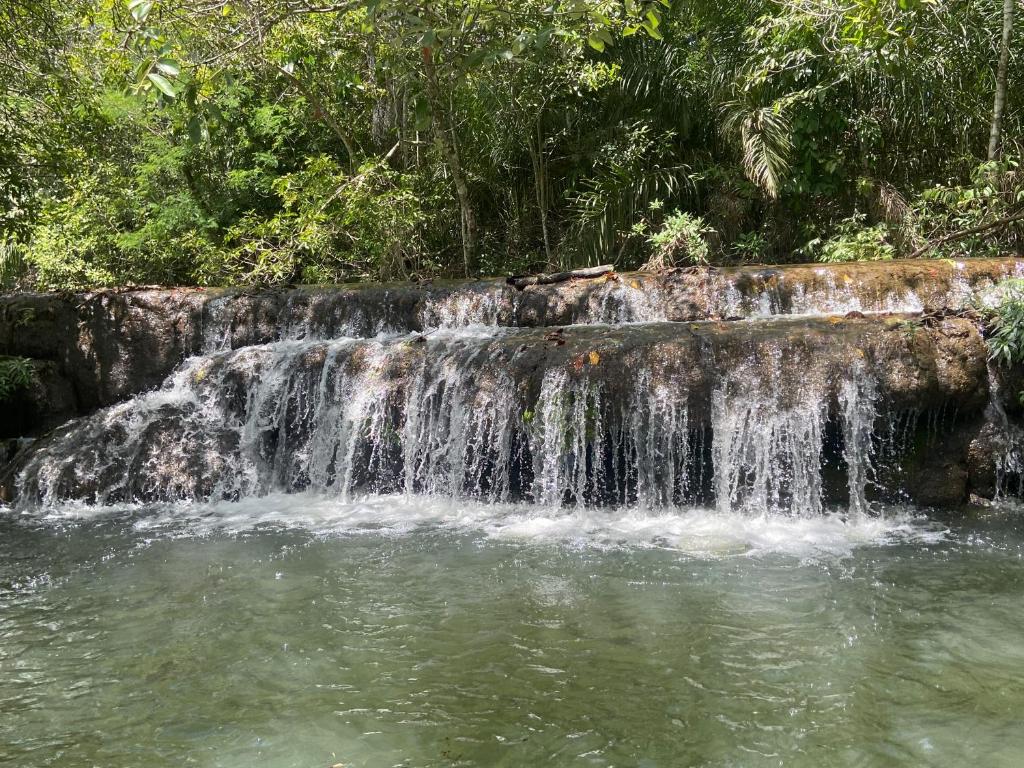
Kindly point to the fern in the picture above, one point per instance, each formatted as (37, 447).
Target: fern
(15, 375)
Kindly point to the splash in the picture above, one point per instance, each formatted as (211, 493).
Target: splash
(696, 531)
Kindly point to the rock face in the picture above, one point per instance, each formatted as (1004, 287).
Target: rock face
(95, 349)
(622, 390)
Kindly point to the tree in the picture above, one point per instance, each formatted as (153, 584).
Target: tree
(1002, 69)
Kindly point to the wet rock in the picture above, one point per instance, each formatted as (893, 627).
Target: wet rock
(95, 350)
(386, 414)
(982, 459)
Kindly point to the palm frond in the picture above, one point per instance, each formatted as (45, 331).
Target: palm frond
(613, 201)
(764, 134)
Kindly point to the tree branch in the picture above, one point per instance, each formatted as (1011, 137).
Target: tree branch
(997, 224)
(333, 124)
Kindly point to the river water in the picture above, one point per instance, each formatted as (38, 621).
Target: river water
(298, 630)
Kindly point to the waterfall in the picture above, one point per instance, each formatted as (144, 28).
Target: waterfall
(476, 412)
(858, 403)
(589, 393)
(767, 441)
(1008, 438)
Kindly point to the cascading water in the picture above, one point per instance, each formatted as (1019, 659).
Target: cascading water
(468, 390)
(767, 444)
(476, 412)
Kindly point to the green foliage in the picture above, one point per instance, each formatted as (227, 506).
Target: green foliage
(636, 171)
(1005, 335)
(15, 374)
(992, 191)
(266, 142)
(12, 263)
(751, 247)
(854, 241)
(331, 226)
(682, 239)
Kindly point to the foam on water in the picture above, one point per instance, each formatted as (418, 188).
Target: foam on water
(695, 532)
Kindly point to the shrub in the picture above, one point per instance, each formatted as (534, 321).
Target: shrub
(751, 247)
(853, 241)
(681, 239)
(1005, 324)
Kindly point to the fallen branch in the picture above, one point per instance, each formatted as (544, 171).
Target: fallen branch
(997, 224)
(522, 282)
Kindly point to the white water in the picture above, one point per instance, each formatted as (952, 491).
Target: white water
(696, 532)
(445, 415)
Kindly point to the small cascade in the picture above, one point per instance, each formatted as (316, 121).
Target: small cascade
(624, 301)
(827, 295)
(1008, 443)
(494, 305)
(472, 412)
(858, 411)
(467, 390)
(589, 445)
(767, 443)
(216, 325)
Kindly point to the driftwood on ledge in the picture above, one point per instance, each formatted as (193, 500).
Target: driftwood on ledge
(521, 282)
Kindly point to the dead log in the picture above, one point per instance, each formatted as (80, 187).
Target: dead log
(522, 281)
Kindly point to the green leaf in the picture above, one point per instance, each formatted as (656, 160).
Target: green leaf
(162, 83)
(600, 38)
(168, 67)
(652, 32)
(473, 60)
(141, 71)
(140, 9)
(197, 130)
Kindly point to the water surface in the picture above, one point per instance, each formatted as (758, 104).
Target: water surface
(299, 631)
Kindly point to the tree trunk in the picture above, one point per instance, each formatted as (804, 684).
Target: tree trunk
(540, 186)
(449, 150)
(994, 148)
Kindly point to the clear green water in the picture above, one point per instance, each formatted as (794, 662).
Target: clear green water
(233, 638)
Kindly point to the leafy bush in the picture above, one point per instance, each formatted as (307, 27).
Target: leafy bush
(681, 239)
(751, 247)
(993, 192)
(332, 226)
(1005, 336)
(853, 241)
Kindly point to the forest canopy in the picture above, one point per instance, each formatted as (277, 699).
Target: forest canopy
(219, 142)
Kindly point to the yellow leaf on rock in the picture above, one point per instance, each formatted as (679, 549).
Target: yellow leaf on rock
(594, 358)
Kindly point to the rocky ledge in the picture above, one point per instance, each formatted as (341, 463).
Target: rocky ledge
(892, 407)
(95, 349)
